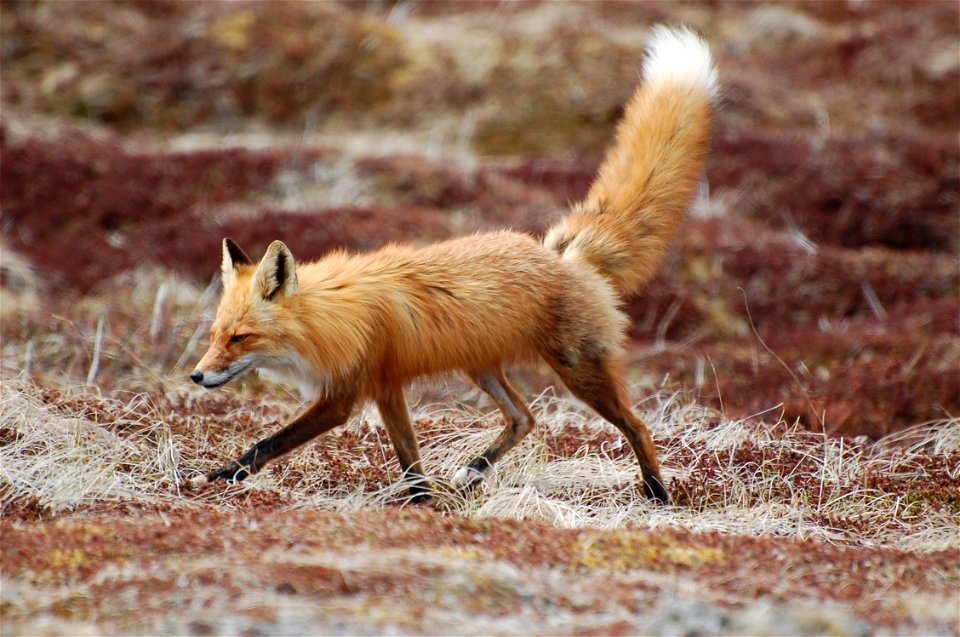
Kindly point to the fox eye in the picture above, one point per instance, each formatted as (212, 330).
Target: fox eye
(238, 338)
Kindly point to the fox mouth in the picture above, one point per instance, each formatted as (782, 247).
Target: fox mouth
(215, 384)
(212, 380)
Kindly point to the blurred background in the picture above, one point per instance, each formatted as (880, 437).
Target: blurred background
(816, 277)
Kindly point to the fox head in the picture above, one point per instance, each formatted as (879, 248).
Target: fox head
(248, 330)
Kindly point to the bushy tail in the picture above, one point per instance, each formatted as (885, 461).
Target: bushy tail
(647, 180)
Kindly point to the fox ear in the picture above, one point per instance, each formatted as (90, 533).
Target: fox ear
(233, 256)
(276, 275)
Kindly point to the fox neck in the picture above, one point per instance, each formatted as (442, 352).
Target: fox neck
(326, 337)
(293, 369)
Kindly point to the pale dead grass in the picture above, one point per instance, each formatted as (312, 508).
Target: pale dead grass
(66, 461)
(141, 431)
(155, 327)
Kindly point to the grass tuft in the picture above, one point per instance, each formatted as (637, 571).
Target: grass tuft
(72, 449)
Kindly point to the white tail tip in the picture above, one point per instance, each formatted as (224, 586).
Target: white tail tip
(679, 54)
(199, 481)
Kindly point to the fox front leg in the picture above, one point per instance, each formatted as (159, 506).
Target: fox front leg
(396, 419)
(321, 417)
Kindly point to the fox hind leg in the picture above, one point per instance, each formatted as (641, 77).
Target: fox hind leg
(396, 418)
(595, 378)
(518, 421)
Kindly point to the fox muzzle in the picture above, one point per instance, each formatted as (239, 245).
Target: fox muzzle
(211, 379)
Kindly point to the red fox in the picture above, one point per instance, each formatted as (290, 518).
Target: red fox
(355, 327)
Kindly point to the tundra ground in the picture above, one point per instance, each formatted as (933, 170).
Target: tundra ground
(797, 357)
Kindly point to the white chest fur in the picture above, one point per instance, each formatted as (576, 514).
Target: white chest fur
(292, 369)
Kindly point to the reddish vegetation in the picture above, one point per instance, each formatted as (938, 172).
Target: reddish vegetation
(818, 284)
(89, 211)
(523, 543)
(156, 549)
(898, 191)
(795, 466)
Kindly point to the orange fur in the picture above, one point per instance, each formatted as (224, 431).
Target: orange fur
(383, 318)
(648, 178)
(349, 328)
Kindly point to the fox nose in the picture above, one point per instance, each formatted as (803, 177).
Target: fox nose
(196, 376)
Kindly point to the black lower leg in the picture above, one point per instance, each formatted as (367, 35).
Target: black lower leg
(233, 472)
(481, 464)
(653, 488)
(597, 384)
(247, 464)
(517, 419)
(418, 486)
(319, 418)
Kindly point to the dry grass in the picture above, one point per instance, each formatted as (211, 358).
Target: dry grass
(141, 433)
(101, 535)
(774, 530)
(131, 550)
(88, 449)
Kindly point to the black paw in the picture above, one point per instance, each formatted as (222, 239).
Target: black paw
(420, 489)
(420, 497)
(233, 472)
(654, 490)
